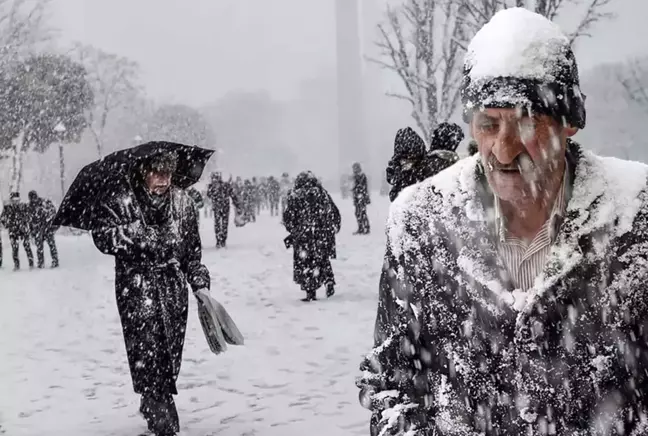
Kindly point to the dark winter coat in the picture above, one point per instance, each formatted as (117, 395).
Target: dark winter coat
(157, 250)
(274, 190)
(410, 163)
(312, 219)
(15, 218)
(220, 192)
(402, 172)
(360, 190)
(41, 213)
(439, 160)
(196, 197)
(459, 352)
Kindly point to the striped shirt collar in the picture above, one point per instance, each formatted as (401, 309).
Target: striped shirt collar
(555, 218)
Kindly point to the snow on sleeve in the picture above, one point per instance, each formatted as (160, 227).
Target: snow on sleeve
(517, 43)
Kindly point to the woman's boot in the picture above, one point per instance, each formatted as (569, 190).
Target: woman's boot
(161, 414)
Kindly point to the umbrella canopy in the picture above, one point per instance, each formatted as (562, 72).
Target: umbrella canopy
(103, 175)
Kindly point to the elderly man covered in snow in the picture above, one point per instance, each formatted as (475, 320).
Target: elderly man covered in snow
(151, 227)
(513, 299)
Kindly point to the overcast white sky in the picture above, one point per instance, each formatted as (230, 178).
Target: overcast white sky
(193, 51)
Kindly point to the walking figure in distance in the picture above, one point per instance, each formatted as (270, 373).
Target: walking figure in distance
(15, 218)
(312, 221)
(361, 199)
(219, 193)
(41, 213)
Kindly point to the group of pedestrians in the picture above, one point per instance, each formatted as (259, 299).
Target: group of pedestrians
(29, 223)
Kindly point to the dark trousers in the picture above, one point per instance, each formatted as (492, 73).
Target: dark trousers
(221, 225)
(40, 240)
(362, 219)
(15, 243)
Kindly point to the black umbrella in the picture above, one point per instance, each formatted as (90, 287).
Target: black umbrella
(105, 174)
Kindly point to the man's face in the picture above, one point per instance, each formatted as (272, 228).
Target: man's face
(521, 153)
(158, 182)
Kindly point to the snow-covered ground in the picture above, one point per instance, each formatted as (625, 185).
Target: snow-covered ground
(63, 368)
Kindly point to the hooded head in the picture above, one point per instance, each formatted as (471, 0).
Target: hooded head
(522, 98)
(33, 196)
(306, 180)
(447, 136)
(14, 197)
(408, 144)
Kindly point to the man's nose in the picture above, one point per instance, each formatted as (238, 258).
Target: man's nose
(508, 145)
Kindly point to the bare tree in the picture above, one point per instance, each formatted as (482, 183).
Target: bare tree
(23, 31)
(23, 27)
(114, 82)
(424, 42)
(634, 78)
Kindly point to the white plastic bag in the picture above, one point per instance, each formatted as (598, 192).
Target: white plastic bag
(218, 326)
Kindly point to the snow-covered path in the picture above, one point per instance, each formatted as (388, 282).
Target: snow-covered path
(63, 368)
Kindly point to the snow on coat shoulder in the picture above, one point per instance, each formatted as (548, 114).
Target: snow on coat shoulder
(517, 43)
(617, 182)
(422, 199)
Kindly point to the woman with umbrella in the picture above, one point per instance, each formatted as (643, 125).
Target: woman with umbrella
(143, 217)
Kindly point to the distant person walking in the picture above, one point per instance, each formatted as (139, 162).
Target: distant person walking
(15, 218)
(361, 199)
(312, 220)
(41, 212)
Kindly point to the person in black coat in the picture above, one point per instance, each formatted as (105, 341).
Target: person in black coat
(199, 203)
(411, 163)
(15, 218)
(361, 199)
(443, 150)
(219, 193)
(274, 195)
(41, 213)
(248, 198)
(150, 226)
(408, 164)
(312, 219)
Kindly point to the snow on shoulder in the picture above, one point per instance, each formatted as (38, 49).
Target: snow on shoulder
(422, 200)
(517, 43)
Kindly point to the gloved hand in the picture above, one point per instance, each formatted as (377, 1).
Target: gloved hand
(198, 277)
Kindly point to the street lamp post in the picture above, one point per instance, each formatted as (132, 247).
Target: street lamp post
(59, 129)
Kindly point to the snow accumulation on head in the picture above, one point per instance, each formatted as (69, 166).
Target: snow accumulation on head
(517, 43)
